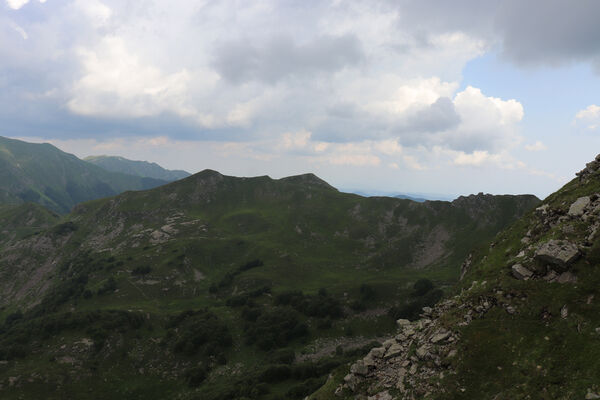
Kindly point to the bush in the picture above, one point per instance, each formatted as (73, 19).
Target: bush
(250, 265)
(195, 376)
(275, 328)
(200, 332)
(141, 270)
(367, 293)
(110, 285)
(275, 373)
(312, 306)
(284, 356)
(11, 318)
(422, 286)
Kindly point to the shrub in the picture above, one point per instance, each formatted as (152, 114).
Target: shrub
(275, 373)
(275, 328)
(11, 318)
(367, 293)
(141, 270)
(195, 376)
(110, 285)
(422, 286)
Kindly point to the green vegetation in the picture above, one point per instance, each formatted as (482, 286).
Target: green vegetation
(42, 174)
(137, 168)
(216, 287)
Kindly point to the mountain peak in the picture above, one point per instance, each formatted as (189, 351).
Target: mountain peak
(309, 179)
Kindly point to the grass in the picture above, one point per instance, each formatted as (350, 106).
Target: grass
(308, 237)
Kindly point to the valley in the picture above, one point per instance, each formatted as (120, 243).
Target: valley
(221, 287)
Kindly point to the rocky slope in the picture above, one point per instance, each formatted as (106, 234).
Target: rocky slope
(43, 174)
(138, 168)
(525, 323)
(218, 287)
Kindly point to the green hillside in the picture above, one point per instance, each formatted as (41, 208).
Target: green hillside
(138, 168)
(215, 287)
(43, 174)
(524, 323)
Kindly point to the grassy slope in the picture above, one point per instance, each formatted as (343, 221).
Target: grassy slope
(535, 353)
(308, 235)
(137, 168)
(43, 174)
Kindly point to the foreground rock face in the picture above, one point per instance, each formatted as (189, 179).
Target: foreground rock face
(407, 363)
(559, 253)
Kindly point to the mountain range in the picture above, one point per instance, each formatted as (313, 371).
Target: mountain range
(137, 168)
(523, 323)
(43, 174)
(217, 287)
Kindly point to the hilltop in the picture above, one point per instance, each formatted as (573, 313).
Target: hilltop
(43, 174)
(523, 323)
(138, 168)
(218, 287)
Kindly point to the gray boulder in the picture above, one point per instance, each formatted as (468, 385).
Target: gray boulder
(359, 368)
(393, 351)
(578, 206)
(560, 253)
(520, 272)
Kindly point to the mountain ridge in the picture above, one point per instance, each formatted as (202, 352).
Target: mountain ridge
(523, 320)
(137, 168)
(44, 174)
(287, 265)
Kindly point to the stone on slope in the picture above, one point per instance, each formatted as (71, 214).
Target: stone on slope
(381, 396)
(394, 350)
(402, 323)
(567, 277)
(359, 368)
(579, 205)
(440, 336)
(560, 253)
(520, 272)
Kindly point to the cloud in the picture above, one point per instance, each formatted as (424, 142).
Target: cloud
(437, 117)
(16, 4)
(117, 83)
(550, 32)
(280, 57)
(487, 123)
(476, 158)
(19, 30)
(537, 146)
(534, 32)
(589, 118)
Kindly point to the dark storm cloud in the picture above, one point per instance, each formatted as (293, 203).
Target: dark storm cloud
(280, 57)
(529, 32)
(550, 31)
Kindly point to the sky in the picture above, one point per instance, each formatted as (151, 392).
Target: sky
(414, 96)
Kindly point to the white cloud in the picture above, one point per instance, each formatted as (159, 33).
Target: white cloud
(96, 12)
(537, 146)
(117, 83)
(589, 117)
(19, 30)
(476, 158)
(16, 4)
(412, 163)
(487, 123)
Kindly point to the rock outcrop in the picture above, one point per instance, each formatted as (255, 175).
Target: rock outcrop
(420, 351)
(558, 253)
